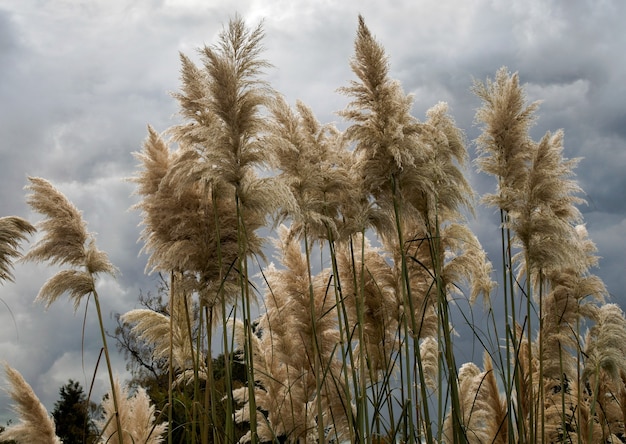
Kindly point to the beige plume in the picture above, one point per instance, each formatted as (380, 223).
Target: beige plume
(504, 142)
(137, 417)
(65, 242)
(483, 410)
(35, 426)
(13, 230)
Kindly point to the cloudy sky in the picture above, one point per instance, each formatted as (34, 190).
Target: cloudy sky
(80, 80)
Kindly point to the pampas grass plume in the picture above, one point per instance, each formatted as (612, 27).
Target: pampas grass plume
(137, 417)
(13, 229)
(154, 328)
(65, 242)
(35, 426)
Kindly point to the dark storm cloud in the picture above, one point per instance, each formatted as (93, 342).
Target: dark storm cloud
(8, 42)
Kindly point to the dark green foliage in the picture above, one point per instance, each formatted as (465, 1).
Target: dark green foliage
(2, 429)
(71, 415)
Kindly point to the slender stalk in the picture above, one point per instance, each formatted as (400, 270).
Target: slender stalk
(408, 301)
(344, 328)
(517, 370)
(541, 357)
(578, 381)
(196, 382)
(107, 358)
(170, 373)
(317, 363)
(247, 317)
(229, 431)
(358, 299)
(533, 402)
(510, 336)
(210, 389)
(453, 379)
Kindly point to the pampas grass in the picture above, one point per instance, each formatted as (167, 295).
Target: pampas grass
(136, 415)
(375, 264)
(13, 230)
(35, 426)
(66, 241)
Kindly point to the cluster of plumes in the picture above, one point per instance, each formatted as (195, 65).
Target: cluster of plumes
(553, 257)
(136, 413)
(336, 195)
(203, 203)
(296, 354)
(137, 417)
(389, 173)
(411, 171)
(35, 425)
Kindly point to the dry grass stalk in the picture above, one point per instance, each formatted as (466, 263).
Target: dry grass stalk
(137, 418)
(35, 426)
(13, 230)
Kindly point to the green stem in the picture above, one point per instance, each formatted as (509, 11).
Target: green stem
(196, 382)
(118, 422)
(412, 332)
(317, 362)
(229, 432)
(209, 392)
(532, 399)
(247, 315)
(170, 376)
(453, 380)
(344, 328)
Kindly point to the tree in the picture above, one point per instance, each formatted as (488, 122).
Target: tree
(71, 415)
(2, 429)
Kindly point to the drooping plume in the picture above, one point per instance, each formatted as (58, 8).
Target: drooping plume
(65, 242)
(13, 230)
(155, 328)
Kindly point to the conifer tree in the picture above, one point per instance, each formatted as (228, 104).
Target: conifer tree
(71, 415)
